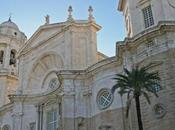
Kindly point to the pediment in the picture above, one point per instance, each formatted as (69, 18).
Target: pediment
(43, 34)
(46, 32)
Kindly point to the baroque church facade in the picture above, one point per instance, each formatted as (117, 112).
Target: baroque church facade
(57, 80)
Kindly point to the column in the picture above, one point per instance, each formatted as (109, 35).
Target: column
(7, 57)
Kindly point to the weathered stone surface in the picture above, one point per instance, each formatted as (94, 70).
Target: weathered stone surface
(68, 52)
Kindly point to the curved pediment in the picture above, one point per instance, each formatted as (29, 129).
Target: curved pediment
(43, 72)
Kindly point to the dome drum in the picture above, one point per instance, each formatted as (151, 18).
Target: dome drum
(9, 28)
(9, 24)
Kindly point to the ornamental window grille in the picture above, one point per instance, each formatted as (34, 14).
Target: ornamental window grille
(156, 87)
(104, 98)
(53, 83)
(148, 16)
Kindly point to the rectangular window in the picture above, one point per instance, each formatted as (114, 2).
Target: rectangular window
(33, 126)
(148, 16)
(52, 120)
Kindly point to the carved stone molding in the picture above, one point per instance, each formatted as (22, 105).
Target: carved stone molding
(171, 3)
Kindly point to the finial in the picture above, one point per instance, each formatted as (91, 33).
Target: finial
(10, 15)
(70, 10)
(90, 10)
(47, 19)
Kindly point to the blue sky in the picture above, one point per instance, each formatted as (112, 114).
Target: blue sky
(29, 15)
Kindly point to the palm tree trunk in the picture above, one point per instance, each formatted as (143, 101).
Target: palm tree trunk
(139, 116)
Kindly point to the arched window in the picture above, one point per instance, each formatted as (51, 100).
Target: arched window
(6, 127)
(1, 56)
(13, 57)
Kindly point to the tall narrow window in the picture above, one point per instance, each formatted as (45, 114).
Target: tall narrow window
(1, 57)
(148, 16)
(13, 57)
(52, 120)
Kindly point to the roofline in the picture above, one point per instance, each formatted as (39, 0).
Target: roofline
(120, 5)
(63, 24)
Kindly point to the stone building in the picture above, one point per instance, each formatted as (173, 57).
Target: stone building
(57, 80)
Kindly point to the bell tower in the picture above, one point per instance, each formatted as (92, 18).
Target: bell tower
(11, 39)
(141, 15)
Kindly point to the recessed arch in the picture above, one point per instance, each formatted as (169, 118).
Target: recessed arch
(50, 53)
(43, 65)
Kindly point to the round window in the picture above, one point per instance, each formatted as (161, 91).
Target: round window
(104, 98)
(53, 83)
(159, 110)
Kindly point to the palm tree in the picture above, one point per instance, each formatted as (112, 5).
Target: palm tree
(136, 83)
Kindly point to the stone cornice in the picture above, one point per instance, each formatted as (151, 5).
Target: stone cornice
(35, 97)
(92, 70)
(6, 74)
(68, 74)
(146, 35)
(6, 107)
(103, 64)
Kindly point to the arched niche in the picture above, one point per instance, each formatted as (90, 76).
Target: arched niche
(2, 52)
(13, 57)
(6, 127)
(43, 69)
(1, 56)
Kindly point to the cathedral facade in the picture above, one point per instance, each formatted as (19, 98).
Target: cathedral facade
(57, 79)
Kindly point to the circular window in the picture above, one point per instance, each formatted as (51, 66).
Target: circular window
(15, 33)
(53, 83)
(104, 98)
(159, 110)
